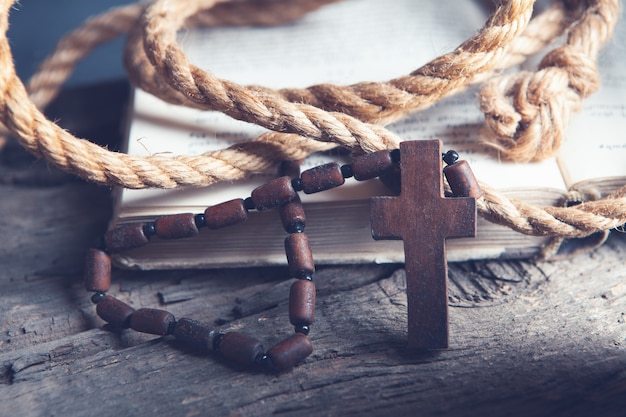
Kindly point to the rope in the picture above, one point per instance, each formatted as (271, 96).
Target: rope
(308, 120)
(526, 113)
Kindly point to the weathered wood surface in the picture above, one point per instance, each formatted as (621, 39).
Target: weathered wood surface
(526, 339)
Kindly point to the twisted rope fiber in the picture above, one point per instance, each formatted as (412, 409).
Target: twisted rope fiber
(45, 139)
(526, 113)
(55, 69)
(386, 102)
(363, 101)
(600, 215)
(45, 84)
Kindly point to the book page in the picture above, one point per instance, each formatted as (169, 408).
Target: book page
(595, 146)
(343, 43)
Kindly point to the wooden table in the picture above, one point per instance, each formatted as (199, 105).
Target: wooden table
(526, 338)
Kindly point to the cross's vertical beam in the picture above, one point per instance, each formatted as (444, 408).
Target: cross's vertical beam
(423, 218)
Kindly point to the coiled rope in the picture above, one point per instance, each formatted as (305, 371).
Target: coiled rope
(323, 116)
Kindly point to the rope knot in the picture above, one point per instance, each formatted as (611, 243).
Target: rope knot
(526, 113)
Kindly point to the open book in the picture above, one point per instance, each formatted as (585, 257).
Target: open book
(343, 43)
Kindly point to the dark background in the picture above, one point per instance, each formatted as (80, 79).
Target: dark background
(37, 25)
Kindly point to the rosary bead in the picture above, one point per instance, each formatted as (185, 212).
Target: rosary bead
(97, 297)
(296, 183)
(226, 214)
(292, 216)
(299, 256)
(97, 271)
(372, 165)
(176, 226)
(149, 229)
(346, 171)
(249, 204)
(125, 237)
(392, 180)
(450, 157)
(153, 321)
(462, 180)
(194, 335)
(301, 328)
(200, 220)
(273, 194)
(241, 348)
(290, 351)
(114, 311)
(321, 178)
(302, 303)
(395, 155)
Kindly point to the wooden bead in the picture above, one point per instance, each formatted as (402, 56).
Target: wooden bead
(153, 321)
(225, 214)
(290, 351)
(125, 237)
(321, 178)
(176, 226)
(299, 256)
(372, 165)
(462, 180)
(97, 271)
(292, 216)
(273, 194)
(241, 348)
(392, 180)
(114, 311)
(302, 303)
(194, 335)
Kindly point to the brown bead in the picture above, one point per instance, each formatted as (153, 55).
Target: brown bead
(194, 335)
(299, 256)
(372, 165)
(176, 226)
(292, 215)
(290, 351)
(302, 303)
(321, 178)
(125, 237)
(225, 214)
(153, 321)
(273, 194)
(462, 180)
(392, 180)
(241, 348)
(97, 271)
(114, 311)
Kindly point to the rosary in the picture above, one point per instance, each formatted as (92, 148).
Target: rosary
(421, 216)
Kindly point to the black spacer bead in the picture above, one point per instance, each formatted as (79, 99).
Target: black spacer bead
(297, 227)
(149, 229)
(451, 157)
(171, 327)
(346, 171)
(296, 183)
(302, 328)
(264, 361)
(200, 220)
(217, 341)
(395, 155)
(248, 203)
(97, 297)
(306, 277)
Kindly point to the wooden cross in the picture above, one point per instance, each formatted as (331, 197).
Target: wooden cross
(423, 218)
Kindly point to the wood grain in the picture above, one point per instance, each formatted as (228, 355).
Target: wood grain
(541, 339)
